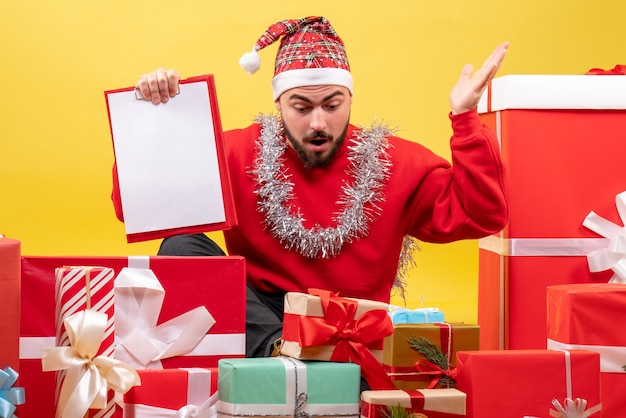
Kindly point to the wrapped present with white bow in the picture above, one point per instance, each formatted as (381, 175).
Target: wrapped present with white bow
(87, 378)
(175, 393)
(276, 387)
(524, 383)
(170, 312)
(10, 301)
(587, 316)
(560, 138)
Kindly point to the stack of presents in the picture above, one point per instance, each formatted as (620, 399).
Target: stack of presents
(165, 336)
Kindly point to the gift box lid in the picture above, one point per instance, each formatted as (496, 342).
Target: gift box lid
(534, 91)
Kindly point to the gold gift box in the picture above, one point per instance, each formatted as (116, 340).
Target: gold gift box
(399, 358)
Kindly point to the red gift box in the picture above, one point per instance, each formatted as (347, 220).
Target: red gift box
(583, 317)
(218, 283)
(559, 138)
(78, 288)
(10, 306)
(166, 391)
(518, 383)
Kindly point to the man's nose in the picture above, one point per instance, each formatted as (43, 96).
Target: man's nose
(318, 120)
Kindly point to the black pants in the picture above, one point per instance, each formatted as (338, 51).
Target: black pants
(264, 311)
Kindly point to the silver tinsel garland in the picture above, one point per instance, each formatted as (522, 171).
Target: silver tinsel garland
(369, 168)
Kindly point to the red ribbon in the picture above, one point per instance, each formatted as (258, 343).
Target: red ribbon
(619, 69)
(352, 338)
(431, 369)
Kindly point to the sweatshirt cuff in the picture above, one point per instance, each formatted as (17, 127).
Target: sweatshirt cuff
(466, 123)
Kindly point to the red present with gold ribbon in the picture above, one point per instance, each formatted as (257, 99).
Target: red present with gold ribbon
(427, 403)
(410, 369)
(167, 392)
(187, 284)
(10, 302)
(524, 383)
(323, 326)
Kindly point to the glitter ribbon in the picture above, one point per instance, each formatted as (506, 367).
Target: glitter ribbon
(9, 396)
(88, 376)
(614, 256)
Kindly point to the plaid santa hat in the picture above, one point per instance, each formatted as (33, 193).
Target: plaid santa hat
(310, 53)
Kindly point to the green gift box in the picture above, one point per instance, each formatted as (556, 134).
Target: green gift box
(284, 386)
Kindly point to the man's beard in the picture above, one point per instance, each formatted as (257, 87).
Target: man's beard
(317, 159)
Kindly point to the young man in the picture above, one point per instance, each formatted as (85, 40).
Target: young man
(324, 204)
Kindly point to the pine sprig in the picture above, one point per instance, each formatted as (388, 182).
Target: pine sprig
(397, 411)
(434, 355)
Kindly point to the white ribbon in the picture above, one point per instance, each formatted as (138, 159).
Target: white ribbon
(142, 343)
(207, 410)
(574, 408)
(614, 256)
(612, 358)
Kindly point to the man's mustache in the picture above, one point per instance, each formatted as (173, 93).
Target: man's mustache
(318, 135)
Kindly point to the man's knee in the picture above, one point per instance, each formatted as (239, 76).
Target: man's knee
(190, 245)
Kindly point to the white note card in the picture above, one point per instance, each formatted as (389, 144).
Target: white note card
(166, 159)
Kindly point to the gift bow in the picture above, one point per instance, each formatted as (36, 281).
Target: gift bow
(431, 369)
(207, 410)
(576, 408)
(88, 377)
(614, 256)
(619, 69)
(9, 396)
(349, 336)
(141, 342)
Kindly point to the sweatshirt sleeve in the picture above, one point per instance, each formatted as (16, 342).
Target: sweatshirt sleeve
(468, 199)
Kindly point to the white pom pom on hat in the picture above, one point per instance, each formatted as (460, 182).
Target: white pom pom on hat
(250, 61)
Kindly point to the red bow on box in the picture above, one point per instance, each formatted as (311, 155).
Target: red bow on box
(351, 337)
(619, 69)
(431, 369)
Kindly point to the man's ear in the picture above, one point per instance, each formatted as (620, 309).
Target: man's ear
(277, 104)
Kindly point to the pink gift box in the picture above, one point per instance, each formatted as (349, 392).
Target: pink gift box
(168, 390)
(217, 283)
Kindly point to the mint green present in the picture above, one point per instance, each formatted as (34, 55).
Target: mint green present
(284, 386)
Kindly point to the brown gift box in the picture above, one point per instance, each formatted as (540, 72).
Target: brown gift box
(438, 403)
(302, 305)
(399, 358)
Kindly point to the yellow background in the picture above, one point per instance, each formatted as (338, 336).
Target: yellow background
(57, 59)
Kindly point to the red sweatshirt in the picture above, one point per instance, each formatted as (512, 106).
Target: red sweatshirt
(425, 196)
